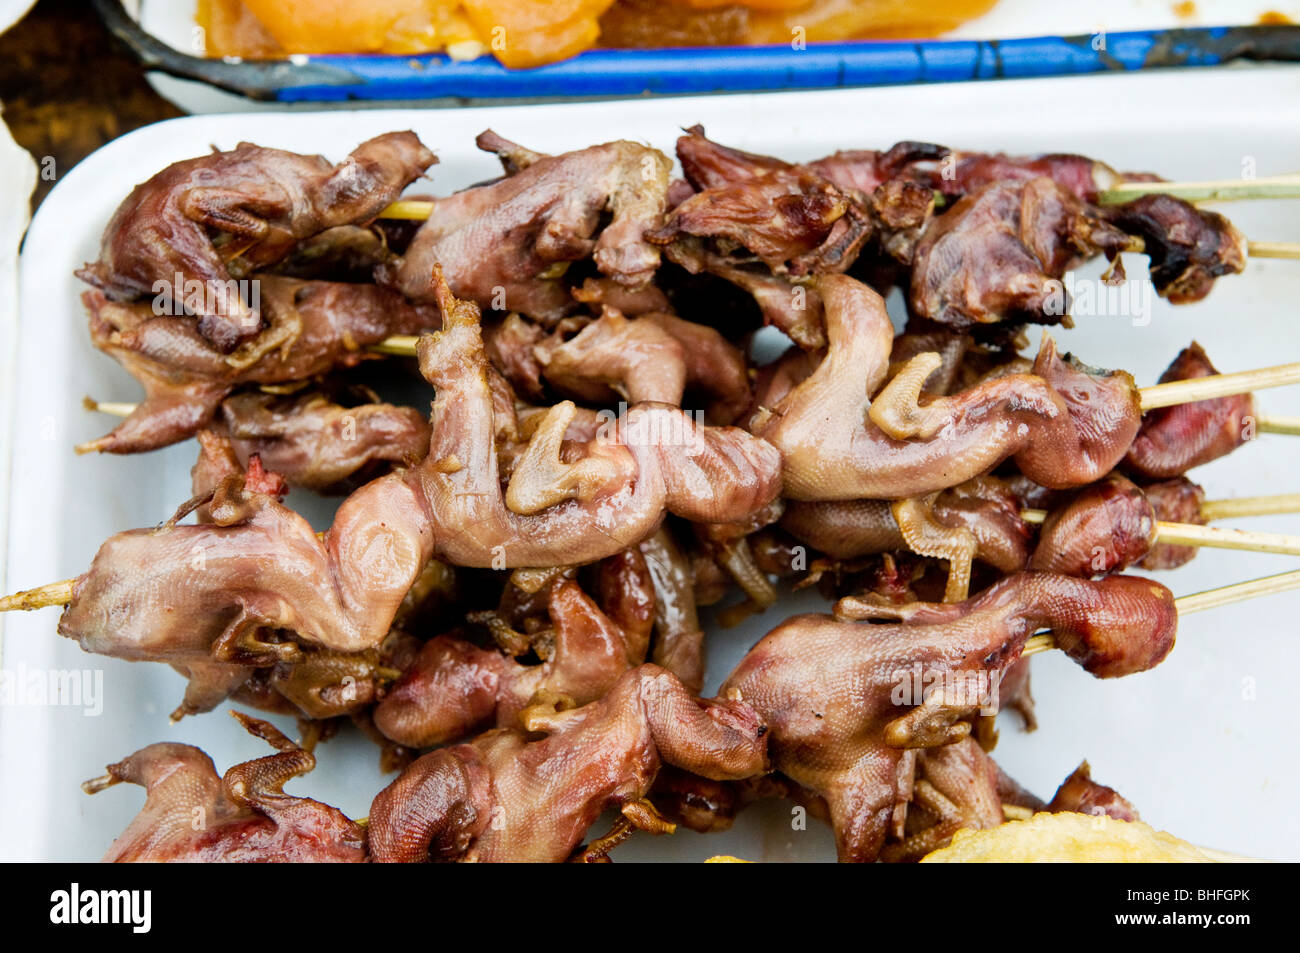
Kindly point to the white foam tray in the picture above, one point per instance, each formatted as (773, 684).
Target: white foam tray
(1202, 744)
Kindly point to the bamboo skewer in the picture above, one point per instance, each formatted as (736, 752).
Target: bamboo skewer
(1176, 534)
(1215, 190)
(1217, 385)
(1250, 506)
(53, 594)
(1237, 592)
(1212, 537)
(415, 210)
(408, 210)
(1199, 601)
(114, 408)
(1149, 398)
(1289, 250)
(398, 345)
(60, 594)
(1270, 423)
(1276, 505)
(1215, 537)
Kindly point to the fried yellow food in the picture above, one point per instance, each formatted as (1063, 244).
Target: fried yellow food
(1069, 838)
(270, 28)
(830, 20)
(524, 33)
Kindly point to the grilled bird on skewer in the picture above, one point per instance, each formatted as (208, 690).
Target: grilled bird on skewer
(222, 216)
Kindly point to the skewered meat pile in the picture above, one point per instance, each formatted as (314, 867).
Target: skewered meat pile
(313, 328)
(515, 580)
(225, 215)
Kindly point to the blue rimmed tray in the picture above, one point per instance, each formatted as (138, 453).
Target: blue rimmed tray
(598, 73)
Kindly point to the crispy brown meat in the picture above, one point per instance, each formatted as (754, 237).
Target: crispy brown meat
(568, 511)
(1080, 794)
(346, 253)
(835, 695)
(511, 344)
(310, 682)
(314, 327)
(716, 370)
(597, 293)
(954, 787)
(950, 788)
(848, 529)
(1189, 247)
(1175, 439)
(711, 165)
(264, 200)
(792, 308)
(1000, 252)
(1014, 223)
(679, 640)
(614, 358)
(505, 245)
(321, 684)
(1106, 527)
(757, 221)
(955, 173)
(193, 814)
(505, 798)
(250, 585)
(790, 219)
(321, 445)
(455, 688)
(1065, 425)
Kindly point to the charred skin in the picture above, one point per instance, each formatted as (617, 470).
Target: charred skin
(955, 173)
(1189, 247)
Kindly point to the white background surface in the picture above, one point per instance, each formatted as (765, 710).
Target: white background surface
(1182, 742)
